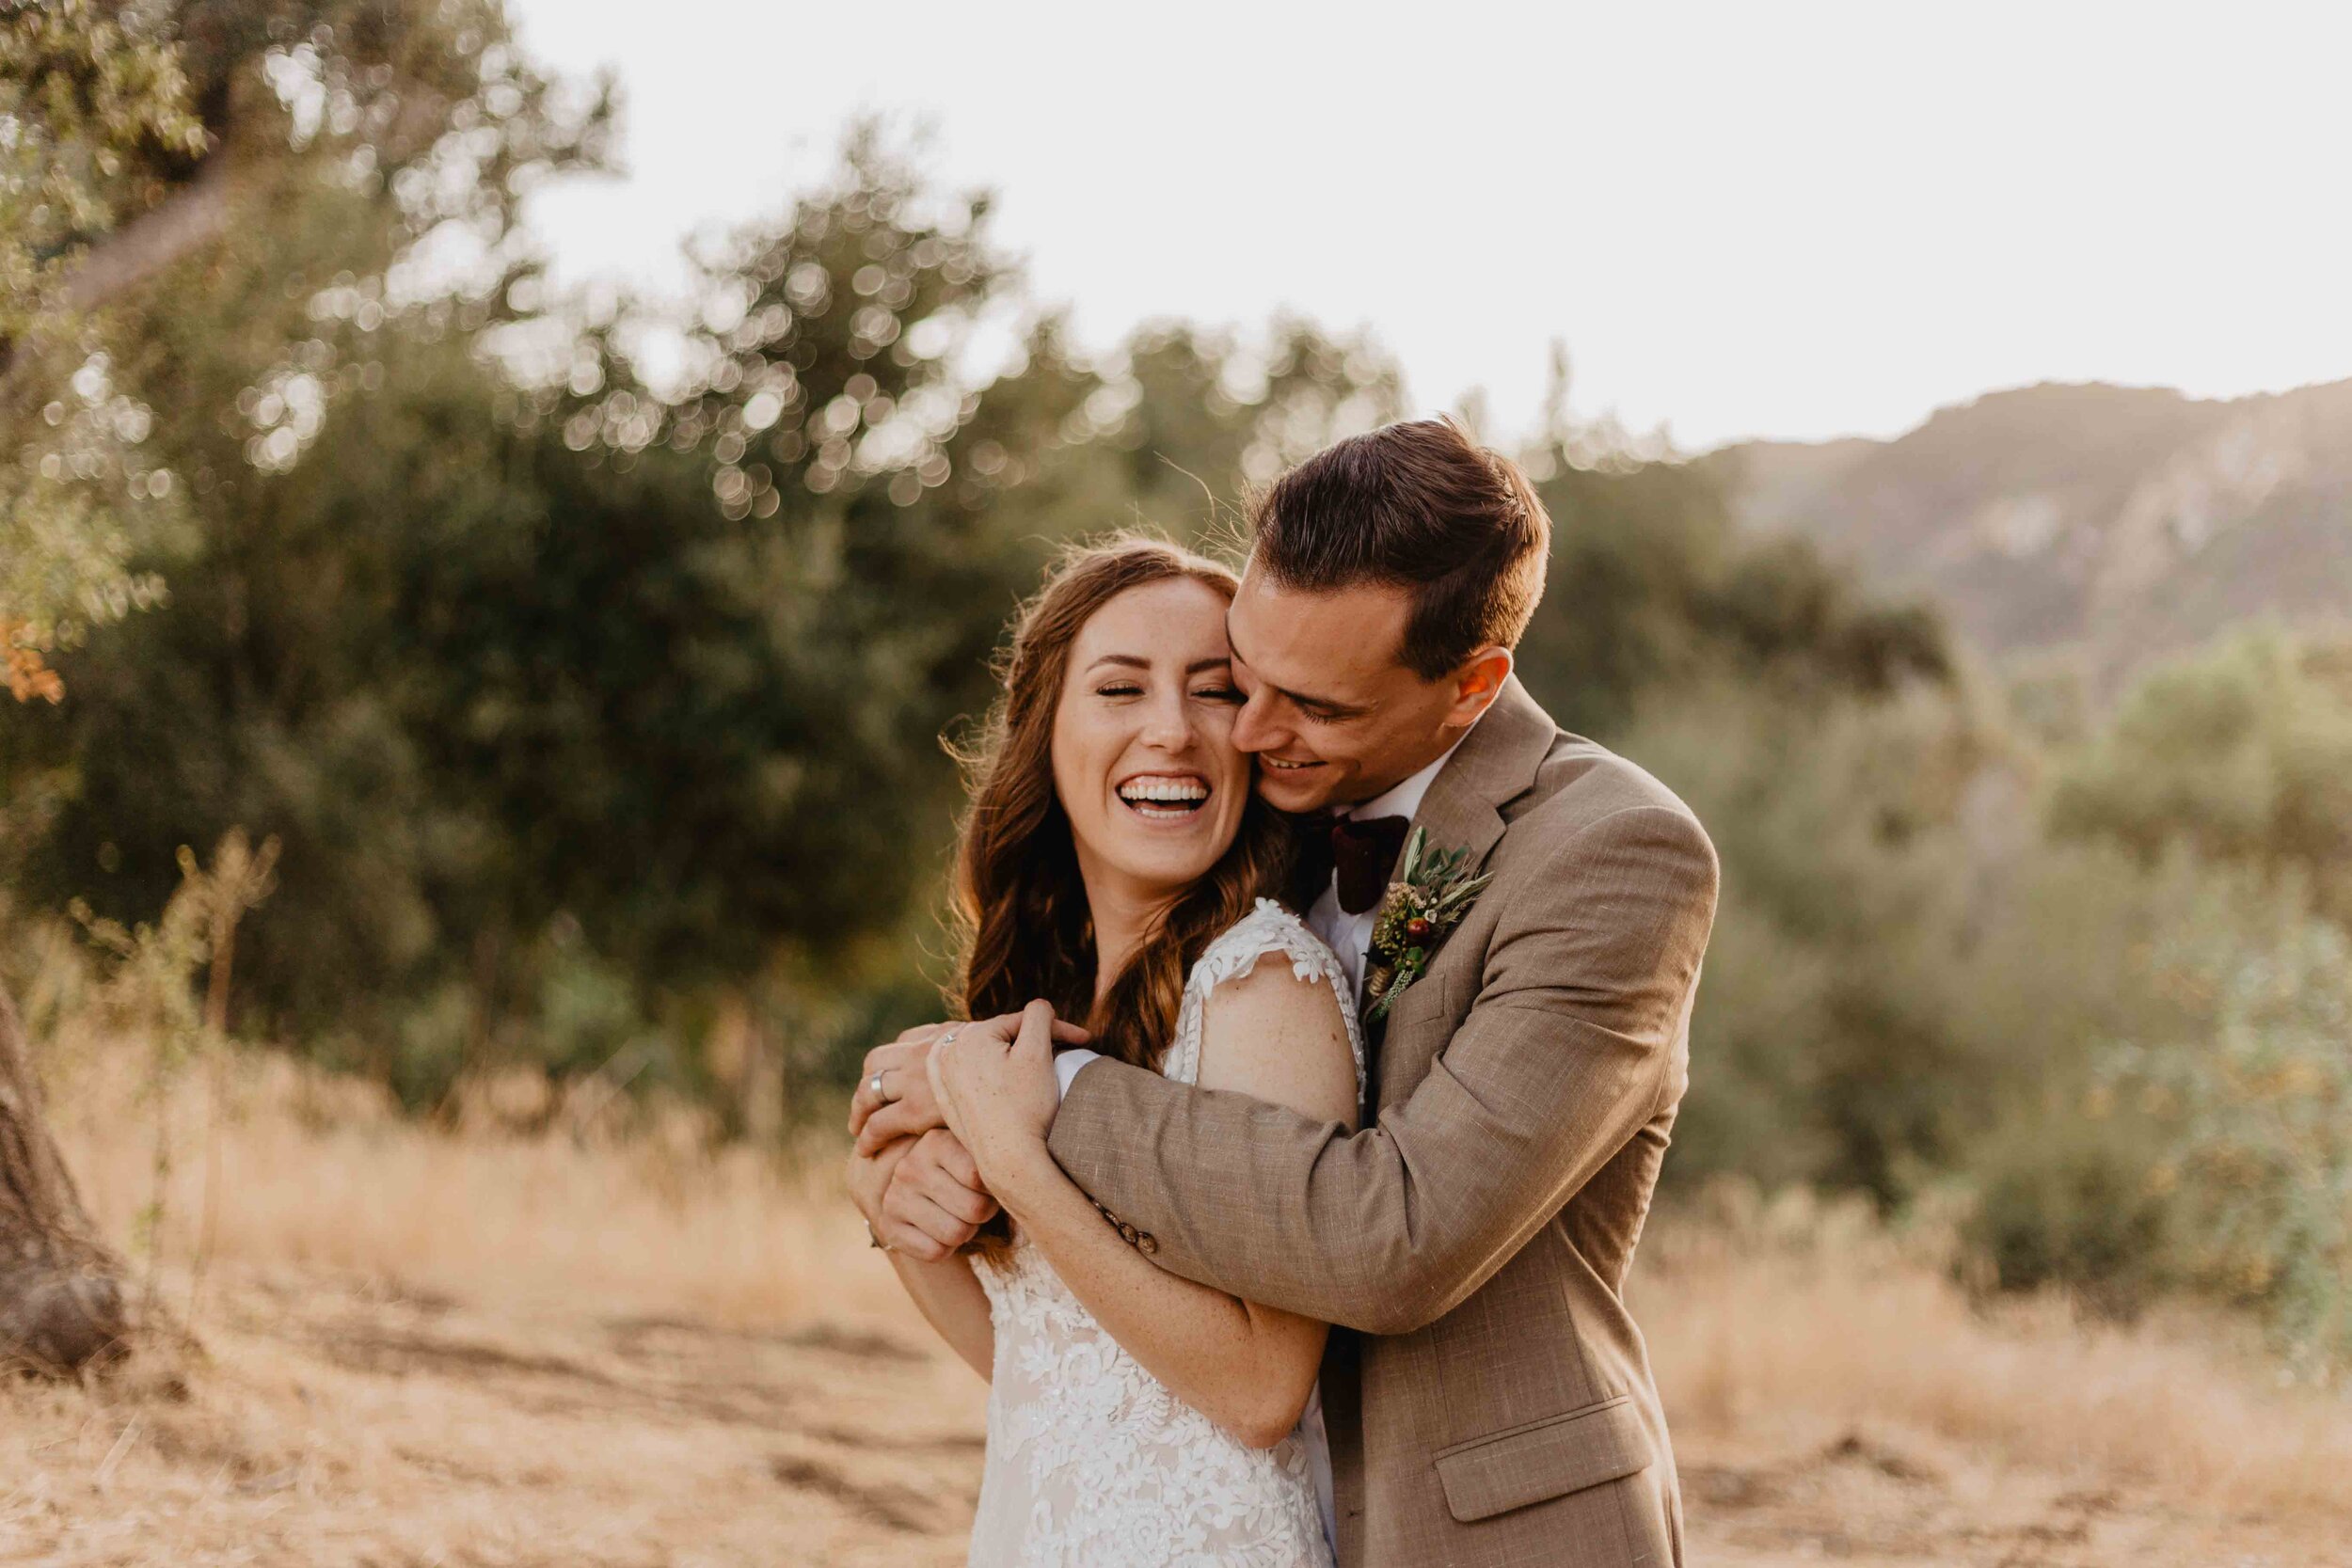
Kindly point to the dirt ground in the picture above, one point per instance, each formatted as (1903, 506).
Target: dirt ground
(334, 1420)
(648, 1349)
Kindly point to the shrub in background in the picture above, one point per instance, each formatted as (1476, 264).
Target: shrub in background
(2252, 1123)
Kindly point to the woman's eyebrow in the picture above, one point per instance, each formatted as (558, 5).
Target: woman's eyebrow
(1134, 661)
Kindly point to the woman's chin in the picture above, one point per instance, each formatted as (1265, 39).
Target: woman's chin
(1164, 864)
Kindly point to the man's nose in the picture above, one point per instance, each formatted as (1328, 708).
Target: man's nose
(1254, 729)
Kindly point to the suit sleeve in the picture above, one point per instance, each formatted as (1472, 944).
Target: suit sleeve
(1562, 1057)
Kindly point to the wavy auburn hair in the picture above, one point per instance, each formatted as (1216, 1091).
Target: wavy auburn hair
(1024, 926)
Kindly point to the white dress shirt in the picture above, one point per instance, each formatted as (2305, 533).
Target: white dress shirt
(1348, 935)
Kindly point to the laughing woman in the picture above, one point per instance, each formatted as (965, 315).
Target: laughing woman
(1116, 862)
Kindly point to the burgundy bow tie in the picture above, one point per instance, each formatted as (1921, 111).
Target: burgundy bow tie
(1363, 853)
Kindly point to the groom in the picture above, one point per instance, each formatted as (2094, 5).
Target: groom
(1494, 1403)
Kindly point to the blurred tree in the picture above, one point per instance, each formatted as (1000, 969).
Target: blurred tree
(2241, 753)
(576, 707)
(61, 1298)
(150, 134)
(217, 201)
(2253, 1111)
(1204, 416)
(699, 700)
(91, 107)
(1908, 983)
(97, 122)
(95, 112)
(1652, 588)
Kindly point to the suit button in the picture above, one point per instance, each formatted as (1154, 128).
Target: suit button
(1127, 1232)
(1148, 1243)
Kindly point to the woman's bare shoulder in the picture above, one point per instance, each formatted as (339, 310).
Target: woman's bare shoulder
(1275, 1023)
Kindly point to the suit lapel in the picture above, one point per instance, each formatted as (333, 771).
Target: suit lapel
(1495, 765)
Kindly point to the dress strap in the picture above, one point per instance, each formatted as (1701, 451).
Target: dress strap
(1234, 954)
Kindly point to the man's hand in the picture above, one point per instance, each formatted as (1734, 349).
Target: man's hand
(934, 1202)
(997, 1089)
(904, 1104)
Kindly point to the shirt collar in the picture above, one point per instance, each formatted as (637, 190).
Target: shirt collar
(1403, 800)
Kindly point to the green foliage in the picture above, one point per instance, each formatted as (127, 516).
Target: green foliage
(1817, 1061)
(2063, 1198)
(1202, 417)
(2212, 1151)
(2242, 751)
(343, 144)
(1652, 591)
(305, 154)
(2252, 1113)
(1902, 964)
(95, 110)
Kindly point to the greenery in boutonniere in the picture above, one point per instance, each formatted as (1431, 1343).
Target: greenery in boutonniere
(1433, 894)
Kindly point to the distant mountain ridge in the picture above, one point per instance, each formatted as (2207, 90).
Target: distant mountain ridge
(2091, 525)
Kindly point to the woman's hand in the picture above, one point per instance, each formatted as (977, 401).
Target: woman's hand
(869, 1177)
(894, 1097)
(999, 1095)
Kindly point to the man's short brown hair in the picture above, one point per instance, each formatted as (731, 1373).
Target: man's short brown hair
(1422, 506)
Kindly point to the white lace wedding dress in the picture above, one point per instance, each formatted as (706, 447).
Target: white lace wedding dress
(1092, 1462)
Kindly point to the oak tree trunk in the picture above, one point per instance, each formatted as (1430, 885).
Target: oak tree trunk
(61, 1296)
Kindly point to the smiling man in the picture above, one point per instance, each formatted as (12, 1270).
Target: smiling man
(1494, 1403)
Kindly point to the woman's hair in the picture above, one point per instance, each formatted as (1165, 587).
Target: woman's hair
(1020, 908)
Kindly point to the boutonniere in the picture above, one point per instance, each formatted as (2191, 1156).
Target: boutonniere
(1433, 894)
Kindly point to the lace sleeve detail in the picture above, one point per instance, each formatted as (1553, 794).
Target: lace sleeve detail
(1267, 929)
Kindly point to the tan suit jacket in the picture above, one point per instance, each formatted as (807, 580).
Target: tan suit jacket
(1493, 1402)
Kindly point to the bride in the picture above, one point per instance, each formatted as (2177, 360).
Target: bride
(1116, 864)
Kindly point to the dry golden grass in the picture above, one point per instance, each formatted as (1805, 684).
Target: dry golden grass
(272, 1163)
(1797, 1309)
(633, 1348)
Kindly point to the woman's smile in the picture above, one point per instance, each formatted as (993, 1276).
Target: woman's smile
(1162, 797)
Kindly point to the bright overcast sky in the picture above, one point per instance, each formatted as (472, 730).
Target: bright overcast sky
(1743, 220)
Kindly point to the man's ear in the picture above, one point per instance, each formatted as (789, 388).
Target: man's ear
(1477, 684)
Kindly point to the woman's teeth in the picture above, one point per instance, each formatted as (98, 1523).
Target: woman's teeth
(1164, 797)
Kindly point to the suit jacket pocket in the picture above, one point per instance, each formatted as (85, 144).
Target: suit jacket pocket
(1549, 1458)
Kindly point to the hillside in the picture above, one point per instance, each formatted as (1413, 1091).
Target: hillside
(2101, 526)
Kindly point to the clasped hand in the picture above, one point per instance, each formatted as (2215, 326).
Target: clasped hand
(959, 1111)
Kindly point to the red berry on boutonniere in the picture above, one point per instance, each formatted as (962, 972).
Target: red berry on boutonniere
(1417, 929)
